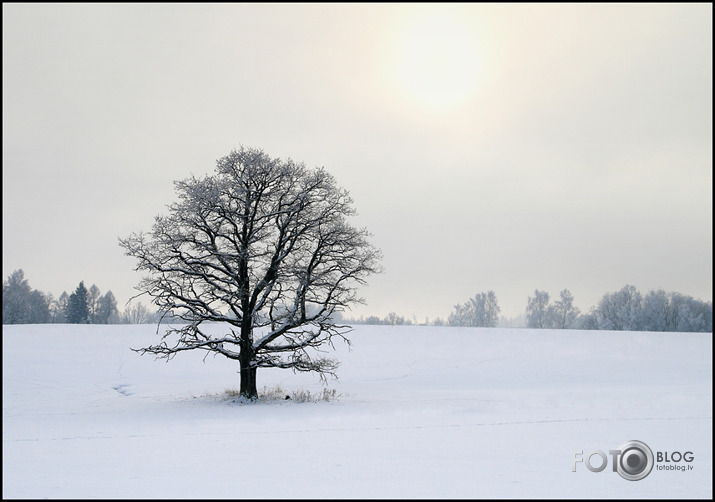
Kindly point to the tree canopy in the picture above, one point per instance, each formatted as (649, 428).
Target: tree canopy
(264, 246)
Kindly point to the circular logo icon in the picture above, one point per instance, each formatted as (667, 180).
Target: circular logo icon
(635, 461)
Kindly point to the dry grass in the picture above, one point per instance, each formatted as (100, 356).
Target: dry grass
(276, 393)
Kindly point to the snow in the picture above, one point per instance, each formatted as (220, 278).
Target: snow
(422, 412)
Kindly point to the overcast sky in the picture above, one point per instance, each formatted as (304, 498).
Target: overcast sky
(504, 147)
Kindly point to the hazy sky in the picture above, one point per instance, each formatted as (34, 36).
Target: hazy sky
(504, 147)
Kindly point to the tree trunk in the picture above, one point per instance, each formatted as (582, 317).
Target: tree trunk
(248, 370)
(248, 380)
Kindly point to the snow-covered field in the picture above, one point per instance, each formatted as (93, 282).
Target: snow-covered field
(422, 412)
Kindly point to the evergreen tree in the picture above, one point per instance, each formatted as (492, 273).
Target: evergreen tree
(77, 310)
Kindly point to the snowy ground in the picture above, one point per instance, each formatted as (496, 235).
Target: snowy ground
(423, 412)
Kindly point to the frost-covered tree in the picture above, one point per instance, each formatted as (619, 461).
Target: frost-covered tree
(21, 304)
(620, 310)
(663, 311)
(565, 315)
(691, 314)
(588, 320)
(656, 312)
(628, 310)
(77, 310)
(538, 313)
(15, 298)
(480, 311)
(264, 246)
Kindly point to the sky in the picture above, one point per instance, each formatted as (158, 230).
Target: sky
(502, 147)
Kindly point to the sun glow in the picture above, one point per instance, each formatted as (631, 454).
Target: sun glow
(436, 60)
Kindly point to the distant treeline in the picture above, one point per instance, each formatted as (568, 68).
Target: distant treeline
(626, 310)
(23, 305)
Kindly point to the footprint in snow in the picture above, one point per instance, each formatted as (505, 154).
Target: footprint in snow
(122, 389)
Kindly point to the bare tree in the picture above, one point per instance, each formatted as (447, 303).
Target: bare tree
(93, 295)
(60, 308)
(107, 310)
(263, 246)
(394, 318)
(137, 314)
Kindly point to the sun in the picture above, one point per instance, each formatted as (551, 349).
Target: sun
(436, 61)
